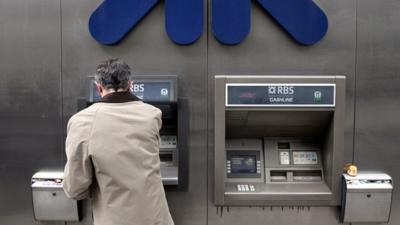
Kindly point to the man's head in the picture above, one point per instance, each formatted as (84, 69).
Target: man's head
(111, 76)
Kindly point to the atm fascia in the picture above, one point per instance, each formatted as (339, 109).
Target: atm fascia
(268, 132)
(161, 91)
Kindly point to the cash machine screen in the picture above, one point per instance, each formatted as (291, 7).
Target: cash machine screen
(243, 164)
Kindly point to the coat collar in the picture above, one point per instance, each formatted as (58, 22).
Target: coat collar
(119, 97)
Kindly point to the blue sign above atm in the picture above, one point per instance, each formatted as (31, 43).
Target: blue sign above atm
(280, 95)
(149, 91)
(303, 20)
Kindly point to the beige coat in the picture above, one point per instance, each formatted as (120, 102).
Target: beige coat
(113, 151)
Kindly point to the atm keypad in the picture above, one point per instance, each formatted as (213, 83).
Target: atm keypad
(245, 188)
(168, 141)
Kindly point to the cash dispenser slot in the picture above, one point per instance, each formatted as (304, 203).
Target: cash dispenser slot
(307, 176)
(278, 176)
(295, 176)
(166, 156)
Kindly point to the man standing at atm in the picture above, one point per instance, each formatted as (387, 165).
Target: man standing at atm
(112, 151)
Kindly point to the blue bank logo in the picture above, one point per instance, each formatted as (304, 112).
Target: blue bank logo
(303, 20)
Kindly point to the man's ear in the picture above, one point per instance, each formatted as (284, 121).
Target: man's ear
(99, 88)
(130, 84)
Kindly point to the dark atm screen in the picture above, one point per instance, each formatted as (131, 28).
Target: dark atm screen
(243, 164)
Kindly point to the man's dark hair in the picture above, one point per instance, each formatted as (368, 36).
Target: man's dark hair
(113, 73)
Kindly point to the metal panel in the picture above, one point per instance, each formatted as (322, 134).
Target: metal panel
(372, 191)
(378, 91)
(269, 50)
(149, 51)
(30, 122)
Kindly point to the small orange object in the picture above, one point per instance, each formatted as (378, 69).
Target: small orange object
(350, 169)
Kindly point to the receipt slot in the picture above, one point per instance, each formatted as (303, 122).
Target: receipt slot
(161, 91)
(49, 200)
(366, 198)
(278, 140)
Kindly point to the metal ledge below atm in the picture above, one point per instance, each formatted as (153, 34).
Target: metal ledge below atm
(169, 175)
(276, 194)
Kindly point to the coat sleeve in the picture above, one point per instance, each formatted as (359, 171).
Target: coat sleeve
(78, 170)
(158, 119)
(158, 124)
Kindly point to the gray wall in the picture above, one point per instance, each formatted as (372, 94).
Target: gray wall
(378, 90)
(46, 52)
(30, 101)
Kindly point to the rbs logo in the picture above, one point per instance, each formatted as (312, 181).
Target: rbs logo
(280, 90)
(137, 88)
(303, 20)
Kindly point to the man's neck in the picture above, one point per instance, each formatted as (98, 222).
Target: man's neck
(109, 91)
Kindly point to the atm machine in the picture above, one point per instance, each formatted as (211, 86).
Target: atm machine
(162, 92)
(278, 140)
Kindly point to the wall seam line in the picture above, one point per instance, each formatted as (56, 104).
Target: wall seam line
(61, 83)
(355, 82)
(207, 112)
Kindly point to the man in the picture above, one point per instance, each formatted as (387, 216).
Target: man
(112, 150)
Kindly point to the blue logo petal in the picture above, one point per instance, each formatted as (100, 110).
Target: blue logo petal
(302, 19)
(230, 20)
(184, 20)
